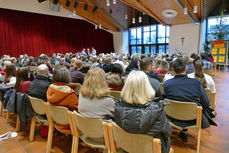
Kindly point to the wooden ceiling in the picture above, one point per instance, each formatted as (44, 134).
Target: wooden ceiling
(113, 17)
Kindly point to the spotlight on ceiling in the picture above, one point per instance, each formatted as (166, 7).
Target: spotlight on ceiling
(55, 2)
(85, 6)
(75, 4)
(40, 1)
(68, 3)
(110, 11)
(95, 9)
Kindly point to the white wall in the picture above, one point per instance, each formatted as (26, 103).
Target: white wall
(121, 42)
(35, 7)
(190, 32)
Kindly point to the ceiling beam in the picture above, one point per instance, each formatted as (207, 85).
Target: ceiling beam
(139, 5)
(97, 17)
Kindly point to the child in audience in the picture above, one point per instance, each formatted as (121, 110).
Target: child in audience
(10, 78)
(22, 80)
(205, 79)
(61, 93)
(170, 74)
(94, 99)
(136, 112)
(163, 68)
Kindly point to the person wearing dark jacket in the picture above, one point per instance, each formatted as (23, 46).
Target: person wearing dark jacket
(134, 65)
(40, 84)
(137, 113)
(182, 88)
(76, 75)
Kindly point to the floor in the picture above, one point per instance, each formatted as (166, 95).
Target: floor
(217, 143)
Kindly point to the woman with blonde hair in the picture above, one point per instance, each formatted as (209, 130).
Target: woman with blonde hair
(156, 64)
(163, 68)
(94, 99)
(136, 112)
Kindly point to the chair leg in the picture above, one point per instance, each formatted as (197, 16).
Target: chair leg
(73, 144)
(1, 108)
(198, 141)
(7, 116)
(76, 144)
(171, 150)
(18, 124)
(32, 129)
(50, 136)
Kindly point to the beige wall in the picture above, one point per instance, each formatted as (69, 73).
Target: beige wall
(121, 42)
(190, 32)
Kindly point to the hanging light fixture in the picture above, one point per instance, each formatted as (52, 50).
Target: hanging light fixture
(140, 18)
(195, 8)
(114, 2)
(126, 16)
(108, 3)
(185, 9)
(133, 20)
(100, 26)
(74, 13)
(96, 27)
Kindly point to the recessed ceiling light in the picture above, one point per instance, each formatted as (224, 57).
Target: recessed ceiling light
(169, 13)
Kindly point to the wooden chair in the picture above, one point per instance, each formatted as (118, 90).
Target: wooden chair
(88, 130)
(1, 108)
(133, 143)
(116, 95)
(38, 107)
(78, 86)
(32, 68)
(55, 114)
(211, 96)
(162, 88)
(185, 111)
(162, 77)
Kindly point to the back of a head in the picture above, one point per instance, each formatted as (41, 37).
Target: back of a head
(94, 85)
(43, 70)
(145, 62)
(22, 75)
(137, 88)
(203, 56)
(186, 58)
(199, 74)
(78, 64)
(179, 65)
(117, 68)
(164, 66)
(10, 72)
(61, 75)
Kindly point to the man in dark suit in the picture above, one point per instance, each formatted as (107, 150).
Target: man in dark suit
(182, 88)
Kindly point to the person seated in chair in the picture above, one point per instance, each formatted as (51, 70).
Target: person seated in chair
(40, 84)
(182, 88)
(136, 112)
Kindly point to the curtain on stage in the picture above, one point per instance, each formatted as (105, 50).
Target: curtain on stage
(33, 34)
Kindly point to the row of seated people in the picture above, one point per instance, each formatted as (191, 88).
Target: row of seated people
(137, 96)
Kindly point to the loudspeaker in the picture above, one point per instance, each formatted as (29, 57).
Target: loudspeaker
(85, 6)
(75, 4)
(95, 9)
(68, 3)
(55, 2)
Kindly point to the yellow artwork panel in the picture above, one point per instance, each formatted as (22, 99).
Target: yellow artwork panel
(222, 50)
(215, 58)
(222, 59)
(214, 51)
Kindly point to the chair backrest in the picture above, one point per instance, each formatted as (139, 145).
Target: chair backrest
(91, 127)
(133, 143)
(162, 77)
(211, 97)
(116, 95)
(59, 114)
(184, 111)
(38, 105)
(32, 68)
(78, 86)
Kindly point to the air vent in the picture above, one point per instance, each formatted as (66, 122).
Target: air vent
(169, 13)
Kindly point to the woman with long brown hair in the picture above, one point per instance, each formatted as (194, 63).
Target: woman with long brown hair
(205, 79)
(22, 80)
(10, 78)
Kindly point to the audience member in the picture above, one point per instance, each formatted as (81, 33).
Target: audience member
(10, 77)
(94, 99)
(207, 64)
(61, 93)
(182, 88)
(137, 113)
(205, 79)
(146, 66)
(134, 65)
(76, 75)
(40, 84)
(22, 80)
(170, 74)
(189, 65)
(114, 78)
(163, 68)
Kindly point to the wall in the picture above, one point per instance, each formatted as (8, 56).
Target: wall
(121, 42)
(190, 33)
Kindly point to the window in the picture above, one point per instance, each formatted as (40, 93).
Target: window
(149, 39)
